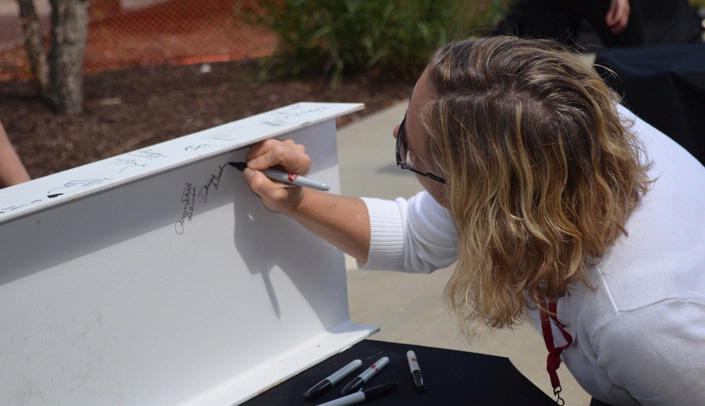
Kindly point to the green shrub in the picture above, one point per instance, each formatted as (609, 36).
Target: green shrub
(395, 37)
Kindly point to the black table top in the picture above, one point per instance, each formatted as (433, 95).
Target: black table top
(451, 378)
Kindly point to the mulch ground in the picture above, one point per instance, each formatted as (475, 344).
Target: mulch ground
(141, 106)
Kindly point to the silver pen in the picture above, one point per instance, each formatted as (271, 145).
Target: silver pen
(284, 177)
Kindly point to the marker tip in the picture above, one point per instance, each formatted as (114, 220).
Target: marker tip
(239, 165)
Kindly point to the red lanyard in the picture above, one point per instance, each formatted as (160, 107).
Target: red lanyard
(554, 353)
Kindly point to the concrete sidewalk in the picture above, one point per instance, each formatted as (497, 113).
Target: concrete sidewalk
(409, 308)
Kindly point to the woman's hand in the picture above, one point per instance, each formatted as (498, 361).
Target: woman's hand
(342, 221)
(289, 156)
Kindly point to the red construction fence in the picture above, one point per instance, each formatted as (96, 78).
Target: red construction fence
(125, 33)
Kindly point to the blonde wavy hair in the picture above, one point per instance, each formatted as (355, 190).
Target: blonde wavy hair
(542, 174)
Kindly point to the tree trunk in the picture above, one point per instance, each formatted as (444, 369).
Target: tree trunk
(33, 44)
(69, 31)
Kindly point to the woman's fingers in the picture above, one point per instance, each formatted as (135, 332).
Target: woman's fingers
(287, 154)
(292, 157)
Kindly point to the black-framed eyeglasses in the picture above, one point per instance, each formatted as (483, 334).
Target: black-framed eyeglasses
(403, 154)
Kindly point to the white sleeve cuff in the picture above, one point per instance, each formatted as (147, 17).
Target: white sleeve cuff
(387, 222)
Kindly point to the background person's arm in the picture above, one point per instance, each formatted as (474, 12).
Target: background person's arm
(12, 171)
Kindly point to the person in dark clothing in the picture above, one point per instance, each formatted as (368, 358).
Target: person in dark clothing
(617, 22)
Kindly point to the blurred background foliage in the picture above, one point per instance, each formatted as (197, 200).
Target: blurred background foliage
(394, 37)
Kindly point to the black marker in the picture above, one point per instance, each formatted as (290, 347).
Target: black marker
(363, 395)
(327, 383)
(415, 370)
(365, 376)
(290, 178)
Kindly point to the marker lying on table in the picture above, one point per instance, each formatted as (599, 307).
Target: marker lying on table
(363, 395)
(365, 376)
(415, 370)
(290, 178)
(325, 384)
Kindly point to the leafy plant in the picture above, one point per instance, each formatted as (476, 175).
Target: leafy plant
(394, 37)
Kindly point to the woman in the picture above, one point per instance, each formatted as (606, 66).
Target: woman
(552, 205)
